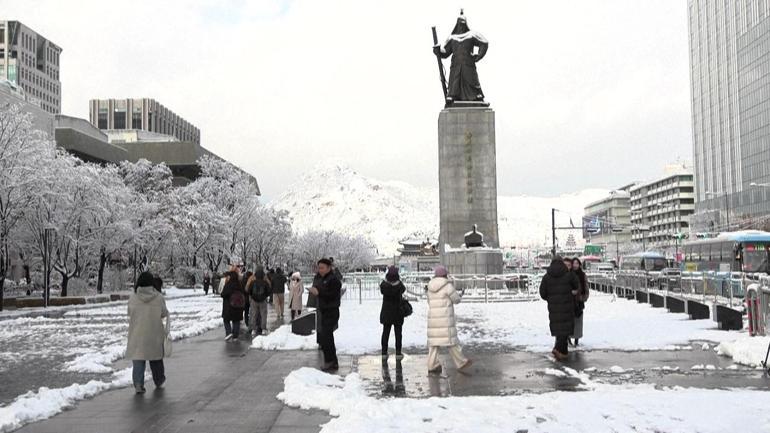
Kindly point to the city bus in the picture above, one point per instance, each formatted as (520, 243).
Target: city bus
(647, 261)
(745, 251)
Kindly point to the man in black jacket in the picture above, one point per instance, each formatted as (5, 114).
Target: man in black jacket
(559, 287)
(328, 289)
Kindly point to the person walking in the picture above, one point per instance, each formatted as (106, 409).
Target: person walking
(206, 282)
(247, 306)
(328, 289)
(278, 282)
(296, 289)
(390, 314)
(580, 300)
(559, 287)
(233, 303)
(270, 274)
(146, 332)
(258, 290)
(442, 327)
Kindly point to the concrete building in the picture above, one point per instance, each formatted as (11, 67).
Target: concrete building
(89, 143)
(143, 114)
(663, 207)
(31, 61)
(730, 81)
(607, 221)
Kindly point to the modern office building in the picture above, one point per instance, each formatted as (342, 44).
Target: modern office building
(607, 221)
(662, 208)
(730, 81)
(31, 62)
(143, 114)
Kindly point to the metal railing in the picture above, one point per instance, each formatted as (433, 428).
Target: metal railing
(365, 286)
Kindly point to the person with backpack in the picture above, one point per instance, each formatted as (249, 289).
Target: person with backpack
(233, 303)
(391, 315)
(258, 290)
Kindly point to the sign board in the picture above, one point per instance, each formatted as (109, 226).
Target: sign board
(724, 267)
(592, 250)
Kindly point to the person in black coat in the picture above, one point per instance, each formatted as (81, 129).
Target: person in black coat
(328, 289)
(232, 316)
(278, 282)
(390, 313)
(559, 287)
(206, 283)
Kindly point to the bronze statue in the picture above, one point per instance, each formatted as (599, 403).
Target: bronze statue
(463, 79)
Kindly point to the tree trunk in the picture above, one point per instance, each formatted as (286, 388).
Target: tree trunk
(65, 278)
(100, 275)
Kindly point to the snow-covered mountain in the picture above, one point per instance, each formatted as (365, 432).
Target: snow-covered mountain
(339, 198)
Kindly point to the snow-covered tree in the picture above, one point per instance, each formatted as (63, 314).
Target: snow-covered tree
(21, 149)
(349, 252)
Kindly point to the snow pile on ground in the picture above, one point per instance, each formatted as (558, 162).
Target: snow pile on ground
(745, 350)
(605, 408)
(608, 325)
(45, 403)
(283, 339)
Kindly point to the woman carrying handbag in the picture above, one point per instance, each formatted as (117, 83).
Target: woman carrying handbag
(394, 309)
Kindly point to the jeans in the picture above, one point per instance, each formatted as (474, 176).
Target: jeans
(232, 327)
(561, 344)
(156, 367)
(329, 320)
(386, 337)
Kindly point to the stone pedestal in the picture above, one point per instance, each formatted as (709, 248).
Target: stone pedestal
(467, 175)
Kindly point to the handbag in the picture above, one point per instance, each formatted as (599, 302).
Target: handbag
(167, 349)
(405, 308)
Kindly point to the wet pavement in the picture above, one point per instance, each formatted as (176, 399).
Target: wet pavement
(495, 372)
(78, 345)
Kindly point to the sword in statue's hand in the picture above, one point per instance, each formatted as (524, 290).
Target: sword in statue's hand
(440, 64)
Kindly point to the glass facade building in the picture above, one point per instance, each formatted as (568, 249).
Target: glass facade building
(142, 114)
(729, 89)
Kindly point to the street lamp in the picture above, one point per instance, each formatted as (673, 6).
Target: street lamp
(727, 205)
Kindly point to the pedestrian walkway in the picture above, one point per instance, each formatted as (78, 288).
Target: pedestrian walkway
(212, 386)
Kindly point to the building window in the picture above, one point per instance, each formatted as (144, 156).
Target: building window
(119, 119)
(136, 119)
(102, 122)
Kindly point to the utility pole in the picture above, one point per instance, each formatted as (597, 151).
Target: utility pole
(553, 232)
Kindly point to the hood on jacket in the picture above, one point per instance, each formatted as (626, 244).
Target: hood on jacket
(557, 268)
(296, 275)
(437, 283)
(146, 293)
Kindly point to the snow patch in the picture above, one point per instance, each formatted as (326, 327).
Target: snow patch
(283, 339)
(745, 350)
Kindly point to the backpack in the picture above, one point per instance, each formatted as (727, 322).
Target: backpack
(258, 291)
(237, 300)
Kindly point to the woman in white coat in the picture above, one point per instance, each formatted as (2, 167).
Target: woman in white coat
(442, 329)
(146, 331)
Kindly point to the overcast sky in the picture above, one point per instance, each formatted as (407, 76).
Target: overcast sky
(586, 93)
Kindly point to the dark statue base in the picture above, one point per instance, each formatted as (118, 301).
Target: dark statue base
(466, 104)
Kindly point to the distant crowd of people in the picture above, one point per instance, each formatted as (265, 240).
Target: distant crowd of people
(246, 295)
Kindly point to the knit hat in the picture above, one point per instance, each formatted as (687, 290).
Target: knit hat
(392, 274)
(440, 271)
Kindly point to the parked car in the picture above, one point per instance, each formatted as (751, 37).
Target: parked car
(671, 279)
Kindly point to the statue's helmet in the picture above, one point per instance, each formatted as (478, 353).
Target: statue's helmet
(462, 24)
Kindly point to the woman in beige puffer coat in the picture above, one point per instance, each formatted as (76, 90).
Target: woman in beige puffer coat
(442, 329)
